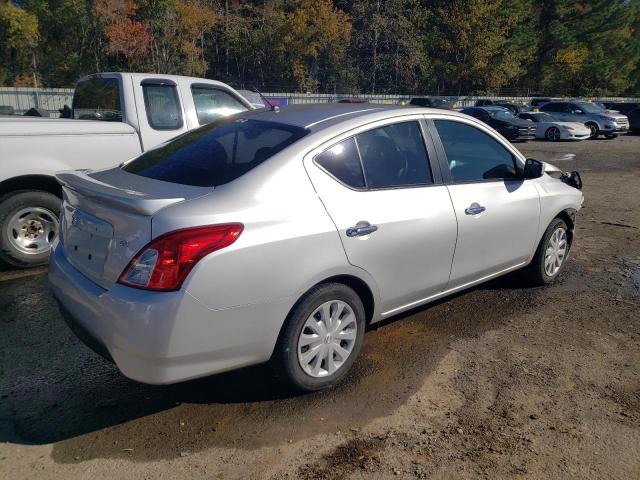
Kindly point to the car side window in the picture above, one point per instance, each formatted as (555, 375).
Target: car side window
(162, 106)
(552, 107)
(213, 103)
(343, 162)
(394, 156)
(473, 155)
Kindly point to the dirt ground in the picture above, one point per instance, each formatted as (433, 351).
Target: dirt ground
(497, 382)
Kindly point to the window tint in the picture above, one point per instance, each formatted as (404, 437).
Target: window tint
(216, 153)
(163, 107)
(213, 103)
(342, 161)
(97, 99)
(394, 156)
(472, 154)
(552, 107)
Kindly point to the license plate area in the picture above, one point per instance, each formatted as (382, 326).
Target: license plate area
(86, 240)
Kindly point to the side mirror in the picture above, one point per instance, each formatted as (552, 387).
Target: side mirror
(533, 169)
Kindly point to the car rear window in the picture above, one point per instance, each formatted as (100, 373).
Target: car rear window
(97, 99)
(216, 153)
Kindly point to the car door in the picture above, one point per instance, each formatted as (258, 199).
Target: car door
(160, 110)
(497, 211)
(393, 214)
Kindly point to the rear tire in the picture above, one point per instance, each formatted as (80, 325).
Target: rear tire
(552, 134)
(336, 347)
(29, 221)
(551, 255)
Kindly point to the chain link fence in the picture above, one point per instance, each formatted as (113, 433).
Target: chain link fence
(19, 100)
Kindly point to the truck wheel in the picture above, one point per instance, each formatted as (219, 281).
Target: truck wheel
(28, 225)
(595, 130)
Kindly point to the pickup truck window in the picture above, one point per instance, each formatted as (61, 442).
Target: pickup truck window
(162, 106)
(213, 103)
(98, 99)
(216, 153)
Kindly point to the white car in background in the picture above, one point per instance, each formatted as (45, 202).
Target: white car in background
(553, 130)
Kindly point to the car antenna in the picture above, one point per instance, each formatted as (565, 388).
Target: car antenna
(274, 108)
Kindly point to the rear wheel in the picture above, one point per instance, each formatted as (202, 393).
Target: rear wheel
(595, 130)
(321, 339)
(551, 255)
(28, 225)
(552, 134)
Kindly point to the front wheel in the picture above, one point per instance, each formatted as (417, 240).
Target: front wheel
(551, 255)
(595, 130)
(28, 225)
(321, 339)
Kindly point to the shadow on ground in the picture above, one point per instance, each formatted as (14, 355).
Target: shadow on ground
(55, 390)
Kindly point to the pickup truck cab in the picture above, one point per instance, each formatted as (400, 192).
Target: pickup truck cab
(114, 117)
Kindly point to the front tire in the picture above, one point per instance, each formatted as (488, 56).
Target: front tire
(29, 222)
(595, 130)
(321, 338)
(551, 255)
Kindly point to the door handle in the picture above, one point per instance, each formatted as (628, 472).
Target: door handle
(474, 209)
(361, 229)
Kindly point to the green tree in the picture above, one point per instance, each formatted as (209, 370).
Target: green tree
(19, 36)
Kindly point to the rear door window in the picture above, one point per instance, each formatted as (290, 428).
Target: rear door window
(162, 105)
(97, 99)
(216, 153)
(394, 156)
(212, 103)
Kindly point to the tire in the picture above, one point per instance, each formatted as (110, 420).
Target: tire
(595, 130)
(552, 134)
(538, 272)
(289, 354)
(28, 225)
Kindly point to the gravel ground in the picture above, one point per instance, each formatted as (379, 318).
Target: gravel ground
(499, 381)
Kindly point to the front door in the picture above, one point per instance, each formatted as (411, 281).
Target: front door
(394, 219)
(498, 212)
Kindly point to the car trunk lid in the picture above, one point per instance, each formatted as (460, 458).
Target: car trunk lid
(106, 218)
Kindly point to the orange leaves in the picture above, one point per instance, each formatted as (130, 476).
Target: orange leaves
(125, 34)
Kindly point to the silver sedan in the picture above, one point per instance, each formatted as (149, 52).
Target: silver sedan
(281, 235)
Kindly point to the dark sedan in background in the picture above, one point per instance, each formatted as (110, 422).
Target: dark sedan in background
(511, 127)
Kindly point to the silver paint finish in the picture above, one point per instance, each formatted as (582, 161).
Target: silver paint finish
(430, 241)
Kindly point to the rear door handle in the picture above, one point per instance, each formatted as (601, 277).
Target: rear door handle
(361, 229)
(474, 209)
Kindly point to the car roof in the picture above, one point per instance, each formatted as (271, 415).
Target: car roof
(493, 108)
(318, 116)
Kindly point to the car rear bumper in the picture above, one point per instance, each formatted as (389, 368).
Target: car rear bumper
(163, 337)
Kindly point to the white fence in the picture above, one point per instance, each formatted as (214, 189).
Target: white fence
(53, 99)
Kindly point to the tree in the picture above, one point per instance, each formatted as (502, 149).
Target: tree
(19, 36)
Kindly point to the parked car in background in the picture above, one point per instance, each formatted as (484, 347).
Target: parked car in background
(484, 102)
(430, 102)
(553, 130)
(599, 121)
(115, 116)
(503, 120)
(166, 264)
(539, 101)
(622, 107)
(352, 100)
(634, 120)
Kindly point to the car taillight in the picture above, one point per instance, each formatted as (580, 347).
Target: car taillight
(166, 261)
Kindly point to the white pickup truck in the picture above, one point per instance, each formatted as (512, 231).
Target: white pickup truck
(114, 117)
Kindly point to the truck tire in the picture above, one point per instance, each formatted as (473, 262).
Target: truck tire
(29, 222)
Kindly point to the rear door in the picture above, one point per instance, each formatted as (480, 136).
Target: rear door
(160, 110)
(497, 212)
(392, 212)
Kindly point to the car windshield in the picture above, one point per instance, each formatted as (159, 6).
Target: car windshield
(542, 117)
(501, 114)
(590, 107)
(216, 153)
